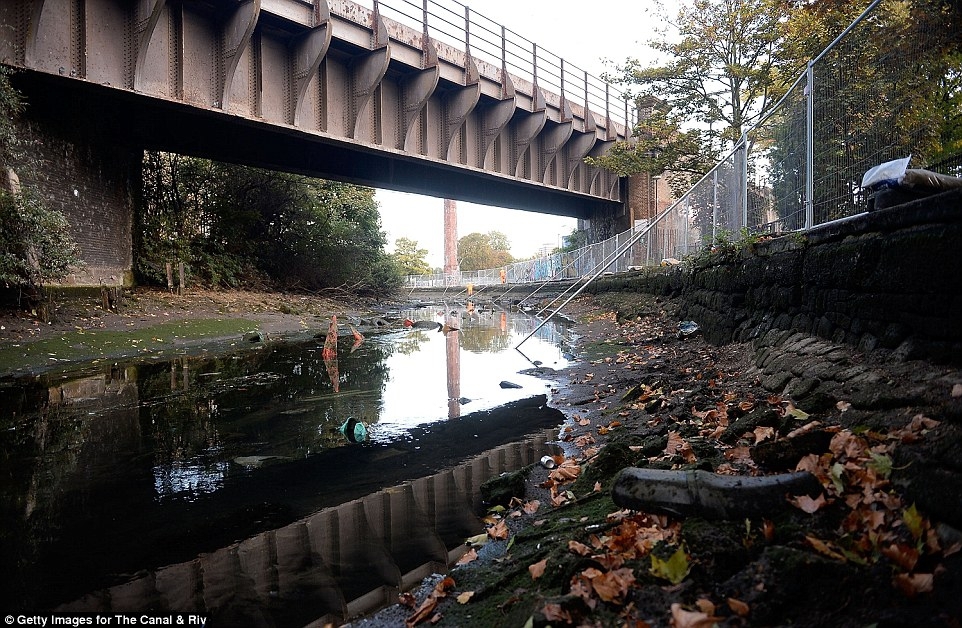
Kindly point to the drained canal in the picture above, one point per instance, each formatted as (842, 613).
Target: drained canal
(242, 487)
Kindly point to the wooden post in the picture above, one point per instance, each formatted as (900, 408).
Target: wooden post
(170, 278)
(180, 273)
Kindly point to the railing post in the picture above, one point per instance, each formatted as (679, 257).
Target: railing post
(467, 30)
(810, 145)
(504, 54)
(534, 62)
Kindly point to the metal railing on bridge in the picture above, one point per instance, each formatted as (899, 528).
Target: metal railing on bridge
(456, 24)
(799, 167)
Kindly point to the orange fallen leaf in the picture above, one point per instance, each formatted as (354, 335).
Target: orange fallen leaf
(768, 529)
(807, 504)
(823, 548)
(531, 507)
(465, 597)
(426, 609)
(613, 585)
(738, 607)
(469, 556)
(537, 570)
(763, 433)
(913, 584)
(499, 530)
(579, 548)
(556, 613)
(680, 618)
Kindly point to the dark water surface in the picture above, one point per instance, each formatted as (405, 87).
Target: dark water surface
(224, 485)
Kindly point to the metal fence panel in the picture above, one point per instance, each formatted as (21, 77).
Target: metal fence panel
(860, 103)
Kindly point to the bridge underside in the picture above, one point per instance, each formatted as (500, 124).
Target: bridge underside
(142, 122)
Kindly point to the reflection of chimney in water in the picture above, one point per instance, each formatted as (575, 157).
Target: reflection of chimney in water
(452, 357)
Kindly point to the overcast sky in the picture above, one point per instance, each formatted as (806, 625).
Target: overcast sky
(584, 34)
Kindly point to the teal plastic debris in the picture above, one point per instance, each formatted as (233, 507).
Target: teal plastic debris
(354, 430)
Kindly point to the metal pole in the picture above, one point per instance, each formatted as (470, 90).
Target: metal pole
(614, 257)
(744, 181)
(714, 204)
(810, 146)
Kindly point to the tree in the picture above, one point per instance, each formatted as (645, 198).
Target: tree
(659, 145)
(478, 251)
(235, 224)
(410, 259)
(720, 74)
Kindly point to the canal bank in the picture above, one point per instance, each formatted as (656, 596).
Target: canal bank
(878, 545)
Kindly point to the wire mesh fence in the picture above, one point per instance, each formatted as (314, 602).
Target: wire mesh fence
(865, 100)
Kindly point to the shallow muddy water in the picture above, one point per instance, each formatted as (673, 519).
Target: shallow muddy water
(228, 485)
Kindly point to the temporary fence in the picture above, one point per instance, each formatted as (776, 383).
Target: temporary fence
(859, 103)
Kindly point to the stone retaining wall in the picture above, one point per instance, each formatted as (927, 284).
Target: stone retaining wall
(889, 280)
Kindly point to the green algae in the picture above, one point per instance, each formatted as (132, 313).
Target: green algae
(90, 344)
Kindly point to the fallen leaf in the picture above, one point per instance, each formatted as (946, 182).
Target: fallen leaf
(807, 504)
(763, 433)
(957, 390)
(478, 539)
(531, 507)
(680, 618)
(579, 548)
(768, 530)
(902, 555)
(843, 406)
(913, 584)
(738, 607)
(555, 613)
(824, 548)
(498, 531)
(613, 585)
(469, 556)
(465, 597)
(675, 569)
(426, 609)
(537, 570)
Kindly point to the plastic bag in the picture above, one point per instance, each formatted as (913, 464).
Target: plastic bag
(888, 174)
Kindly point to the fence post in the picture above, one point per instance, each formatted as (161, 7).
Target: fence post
(744, 179)
(810, 145)
(714, 204)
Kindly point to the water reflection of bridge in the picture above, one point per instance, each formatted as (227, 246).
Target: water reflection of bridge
(335, 564)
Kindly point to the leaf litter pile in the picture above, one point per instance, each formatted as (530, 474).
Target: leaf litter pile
(564, 554)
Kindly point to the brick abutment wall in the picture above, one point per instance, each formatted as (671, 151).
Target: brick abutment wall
(90, 180)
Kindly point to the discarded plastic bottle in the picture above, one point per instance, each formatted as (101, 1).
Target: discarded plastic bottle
(354, 430)
(707, 494)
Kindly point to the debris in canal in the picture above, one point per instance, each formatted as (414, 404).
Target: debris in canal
(354, 430)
